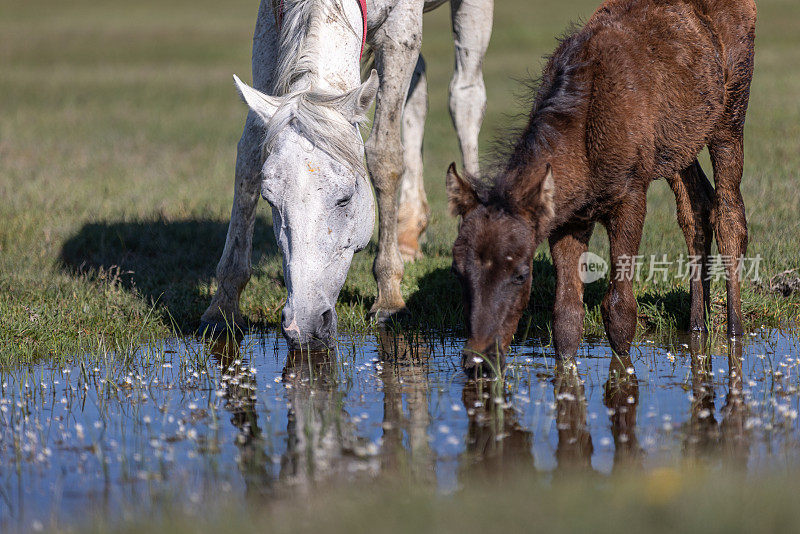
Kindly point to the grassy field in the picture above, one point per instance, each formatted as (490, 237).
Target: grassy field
(661, 501)
(118, 128)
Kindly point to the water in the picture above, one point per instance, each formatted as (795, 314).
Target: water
(181, 422)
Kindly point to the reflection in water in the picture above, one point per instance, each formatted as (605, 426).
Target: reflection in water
(702, 433)
(120, 432)
(238, 385)
(705, 438)
(404, 376)
(734, 427)
(321, 437)
(574, 450)
(322, 440)
(621, 397)
(496, 442)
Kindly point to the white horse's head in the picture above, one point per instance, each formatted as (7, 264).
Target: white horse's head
(322, 207)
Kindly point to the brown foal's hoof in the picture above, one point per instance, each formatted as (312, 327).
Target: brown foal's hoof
(698, 328)
(479, 366)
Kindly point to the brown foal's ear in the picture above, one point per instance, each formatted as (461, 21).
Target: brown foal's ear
(461, 196)
(535, 199)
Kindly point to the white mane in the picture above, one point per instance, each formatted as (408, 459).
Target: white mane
(316, 114)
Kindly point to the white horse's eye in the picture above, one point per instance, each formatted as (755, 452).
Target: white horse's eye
(344, 201)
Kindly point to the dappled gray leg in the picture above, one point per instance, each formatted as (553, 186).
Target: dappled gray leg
(233, 269)
(412, 215)
(472, 29)
(396, 44)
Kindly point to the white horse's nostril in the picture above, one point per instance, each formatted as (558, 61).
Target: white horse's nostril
(327, 316)
(292, 327)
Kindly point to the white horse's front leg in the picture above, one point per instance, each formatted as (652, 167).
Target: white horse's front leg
(233, 269)
(412, 216)
(396, 44)
(472, 29)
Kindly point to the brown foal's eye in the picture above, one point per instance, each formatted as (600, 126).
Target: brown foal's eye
(520, 277)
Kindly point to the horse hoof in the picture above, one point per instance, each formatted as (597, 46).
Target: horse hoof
(699, 328)
(410, 254)
(387, 316)
(735, 331)
(216, 329)
(479, 367)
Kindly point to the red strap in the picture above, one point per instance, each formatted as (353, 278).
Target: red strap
(361, 4)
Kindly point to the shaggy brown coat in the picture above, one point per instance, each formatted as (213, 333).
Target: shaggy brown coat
(632, 97)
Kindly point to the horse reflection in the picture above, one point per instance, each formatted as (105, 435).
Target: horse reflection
(705, 438)
(239, 387)
(702, 433)
(575, 449)
(322, 440)
(496, 443)
(735, 438)
(621, 397)
(404, 372)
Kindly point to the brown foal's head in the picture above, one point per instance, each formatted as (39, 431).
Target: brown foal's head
(493, 256)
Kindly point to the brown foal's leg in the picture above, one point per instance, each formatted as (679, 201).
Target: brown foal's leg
(566, 247)
(727, 155)
(694, 198)
(619, 305)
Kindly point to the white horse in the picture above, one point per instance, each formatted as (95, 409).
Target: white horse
(302, 151)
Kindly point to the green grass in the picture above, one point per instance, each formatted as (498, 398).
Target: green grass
(118, 128)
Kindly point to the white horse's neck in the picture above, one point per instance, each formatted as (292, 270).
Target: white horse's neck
(339, 44)
(325, 38)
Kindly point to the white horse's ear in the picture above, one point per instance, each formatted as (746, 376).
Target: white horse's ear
(263, 105)
(357, 102)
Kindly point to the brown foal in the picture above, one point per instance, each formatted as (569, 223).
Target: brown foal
(632, 97)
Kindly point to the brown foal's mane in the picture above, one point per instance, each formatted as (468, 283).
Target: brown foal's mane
(555, 100)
